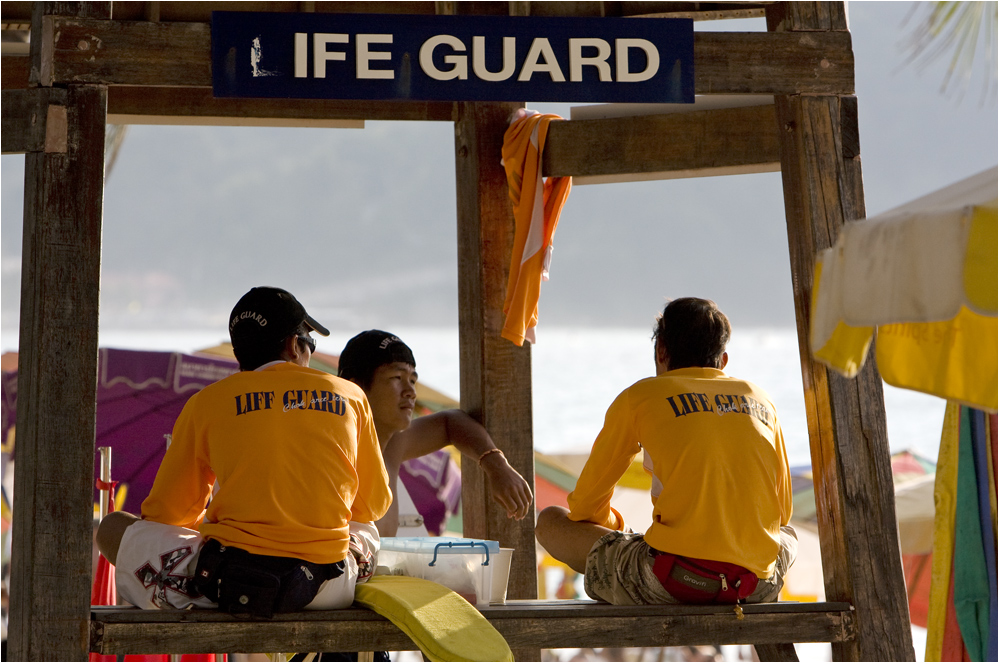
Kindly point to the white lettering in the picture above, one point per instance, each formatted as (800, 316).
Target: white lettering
(301, 54)
(577, 61)
(365, 56)
(621, 60)
(321, 55)
(459, 63)
(479, 59)
(540, 47)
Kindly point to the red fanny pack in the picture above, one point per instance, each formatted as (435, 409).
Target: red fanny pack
(697, 581)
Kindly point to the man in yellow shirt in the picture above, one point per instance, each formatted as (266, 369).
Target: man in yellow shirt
(383, 366)
(299, 482)
(721, 489)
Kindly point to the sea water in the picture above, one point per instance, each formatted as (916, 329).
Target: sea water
(577, 373)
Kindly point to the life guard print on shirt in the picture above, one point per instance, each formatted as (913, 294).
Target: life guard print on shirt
(291, 400)
(688, 403)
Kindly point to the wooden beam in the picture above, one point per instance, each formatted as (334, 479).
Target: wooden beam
(495, 374)
(855, 506)
(202, 11)
(720, 141)
(57, 384)
(556, 624)
(26, 125)
(14, 71)
(163, 105)
(178, 54)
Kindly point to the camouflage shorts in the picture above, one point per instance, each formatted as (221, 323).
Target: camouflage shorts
(620, 571)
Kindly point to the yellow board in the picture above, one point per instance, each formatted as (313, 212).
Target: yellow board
(444, 626)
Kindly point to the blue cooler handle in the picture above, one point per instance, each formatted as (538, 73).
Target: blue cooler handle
(470, 545)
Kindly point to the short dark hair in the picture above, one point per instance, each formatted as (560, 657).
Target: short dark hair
(368, 351)
(255, 355)
(694, 333)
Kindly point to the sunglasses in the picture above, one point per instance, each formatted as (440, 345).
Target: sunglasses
(309, 342)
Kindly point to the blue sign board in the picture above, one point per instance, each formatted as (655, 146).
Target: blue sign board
(452, 58)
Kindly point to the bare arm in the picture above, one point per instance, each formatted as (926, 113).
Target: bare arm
(432, 432)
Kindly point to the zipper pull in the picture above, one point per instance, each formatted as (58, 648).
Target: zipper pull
(305, 570)
(725, 586)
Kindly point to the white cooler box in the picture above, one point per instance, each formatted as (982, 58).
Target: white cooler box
(463, 565)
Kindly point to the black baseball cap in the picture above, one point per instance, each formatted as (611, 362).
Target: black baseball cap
(266, 314)
(367, 351)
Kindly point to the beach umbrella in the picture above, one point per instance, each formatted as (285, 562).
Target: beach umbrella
(925, 276)
(139, 396)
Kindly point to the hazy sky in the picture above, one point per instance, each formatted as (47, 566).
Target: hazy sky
(360, 224)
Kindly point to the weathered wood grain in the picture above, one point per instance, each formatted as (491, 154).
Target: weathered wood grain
(201, 11)
(57, 384)
(178, 54)
(25, 126)
(495, 374)
(821, 176)
(553, 624)
(14, 71)
(683, 142)
(170, 105)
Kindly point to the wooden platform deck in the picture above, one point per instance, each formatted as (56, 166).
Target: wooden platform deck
(525, 624)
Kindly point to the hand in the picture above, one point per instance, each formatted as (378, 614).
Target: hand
(508, 489)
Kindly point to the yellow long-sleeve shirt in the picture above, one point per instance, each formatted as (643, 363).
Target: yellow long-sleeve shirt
(296, 457)
(721, 486)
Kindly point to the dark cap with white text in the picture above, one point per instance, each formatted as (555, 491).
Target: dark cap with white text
(266, 315)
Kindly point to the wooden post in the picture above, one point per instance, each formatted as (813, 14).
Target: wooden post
(57, 372)
(859, 540)
(495, 374)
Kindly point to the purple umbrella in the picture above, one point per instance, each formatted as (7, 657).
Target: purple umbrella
(139, 396)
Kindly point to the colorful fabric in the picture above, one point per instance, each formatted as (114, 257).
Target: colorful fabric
(713, 444)
(972, 581)
(537, 204)
(296, 457)
(945, 492)
(937, 325)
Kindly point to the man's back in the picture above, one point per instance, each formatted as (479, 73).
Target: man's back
(293, 449)
(714, 448)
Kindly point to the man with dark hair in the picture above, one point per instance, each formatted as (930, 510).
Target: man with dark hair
(721, 489)
(298, 475)
(384, 367)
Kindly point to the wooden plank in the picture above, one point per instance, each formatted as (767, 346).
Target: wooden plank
(495, 374)
(57, 384)
(542, 625)
(25, 128)
(685, 143)
(177, 54)
(14, 71)
(201, 11)
(776, 652)
(174, 105)
(821, 177)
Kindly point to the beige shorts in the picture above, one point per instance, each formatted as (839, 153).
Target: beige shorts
(620, 571)
(156, 565)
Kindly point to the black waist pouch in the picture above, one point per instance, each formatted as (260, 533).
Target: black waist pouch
(245, 583)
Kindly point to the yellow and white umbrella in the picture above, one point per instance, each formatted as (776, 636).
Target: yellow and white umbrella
(925, 275)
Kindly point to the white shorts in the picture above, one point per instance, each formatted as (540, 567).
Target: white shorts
(156, 565)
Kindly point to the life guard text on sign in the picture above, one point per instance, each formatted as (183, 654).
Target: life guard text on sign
(458, 58)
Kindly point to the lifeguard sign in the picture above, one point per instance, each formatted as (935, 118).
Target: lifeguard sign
(452, 58)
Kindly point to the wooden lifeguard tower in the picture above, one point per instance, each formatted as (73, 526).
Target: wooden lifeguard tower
(93, 63)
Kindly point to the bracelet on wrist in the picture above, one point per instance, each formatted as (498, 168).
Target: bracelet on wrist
(489, 452)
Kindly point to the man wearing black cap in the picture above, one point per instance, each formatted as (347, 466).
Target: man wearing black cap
(384, 367)
(298, 475)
